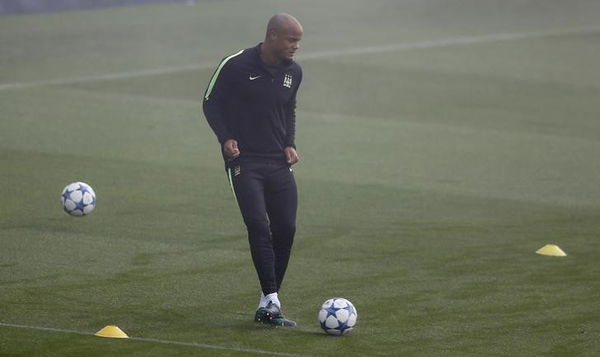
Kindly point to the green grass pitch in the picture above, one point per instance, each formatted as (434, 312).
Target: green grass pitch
(442, 144)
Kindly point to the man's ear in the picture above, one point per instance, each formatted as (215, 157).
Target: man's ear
(272, 35)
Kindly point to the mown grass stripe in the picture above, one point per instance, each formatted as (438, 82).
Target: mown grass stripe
(156, 340)
(452, 41)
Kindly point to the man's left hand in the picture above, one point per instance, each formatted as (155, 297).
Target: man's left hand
(291, 155)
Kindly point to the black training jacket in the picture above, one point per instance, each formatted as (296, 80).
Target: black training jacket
(253, 103)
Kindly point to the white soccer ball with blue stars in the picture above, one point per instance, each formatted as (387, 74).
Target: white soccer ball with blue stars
(78, 199)
(338, 316)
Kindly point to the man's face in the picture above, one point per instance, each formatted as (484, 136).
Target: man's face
(287, 41)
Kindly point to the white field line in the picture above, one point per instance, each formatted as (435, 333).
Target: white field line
(452, 41)
(105, 77)
(164, 342)
(445, 42)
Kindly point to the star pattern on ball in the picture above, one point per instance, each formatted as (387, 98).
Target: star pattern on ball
(331, 310)
(344, 323)
(84, 201)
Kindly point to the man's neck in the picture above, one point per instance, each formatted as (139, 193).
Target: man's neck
(267, 57)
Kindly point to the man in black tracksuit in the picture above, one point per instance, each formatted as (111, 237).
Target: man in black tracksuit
(250, 104)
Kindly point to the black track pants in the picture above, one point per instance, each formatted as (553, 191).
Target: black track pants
(267, 196)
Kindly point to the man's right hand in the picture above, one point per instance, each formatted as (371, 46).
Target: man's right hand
(230, 148)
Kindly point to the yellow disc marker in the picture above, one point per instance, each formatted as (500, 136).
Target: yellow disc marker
(111, 331)
(552, 250)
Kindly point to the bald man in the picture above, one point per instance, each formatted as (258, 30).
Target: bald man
(250, 104)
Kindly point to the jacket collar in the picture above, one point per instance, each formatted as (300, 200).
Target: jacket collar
(283, 65)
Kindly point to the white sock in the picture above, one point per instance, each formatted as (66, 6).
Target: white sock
(264, 300)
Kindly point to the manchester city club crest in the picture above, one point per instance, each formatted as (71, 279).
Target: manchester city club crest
(287, 80)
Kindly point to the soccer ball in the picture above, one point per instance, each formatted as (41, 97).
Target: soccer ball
(78, 199)
(337, 316)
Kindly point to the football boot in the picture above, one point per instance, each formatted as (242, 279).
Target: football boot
(272, 315)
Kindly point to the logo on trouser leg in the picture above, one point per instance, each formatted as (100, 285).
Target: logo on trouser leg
(237, 171)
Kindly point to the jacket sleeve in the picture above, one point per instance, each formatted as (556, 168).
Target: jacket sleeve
(215, 101)
(290, 116)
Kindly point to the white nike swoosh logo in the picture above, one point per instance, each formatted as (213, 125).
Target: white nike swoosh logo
(253, 78)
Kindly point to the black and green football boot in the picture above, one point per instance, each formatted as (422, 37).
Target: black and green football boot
(271, 315)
